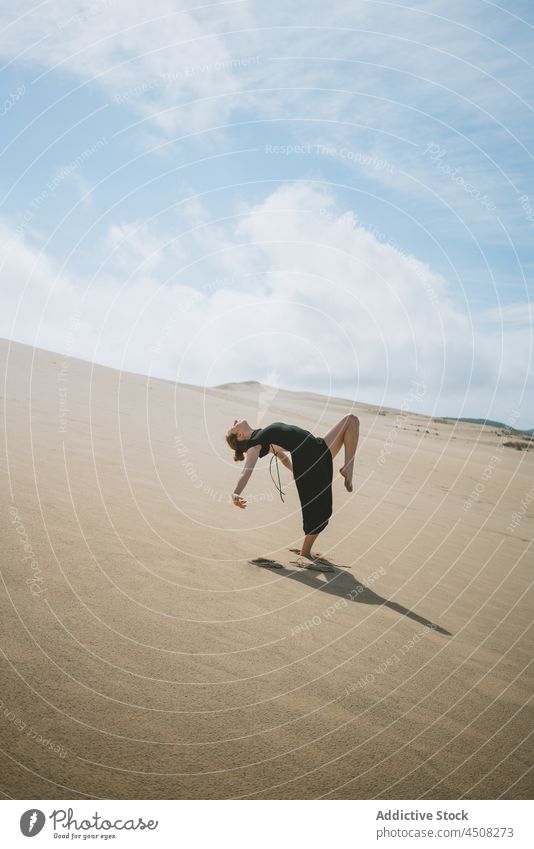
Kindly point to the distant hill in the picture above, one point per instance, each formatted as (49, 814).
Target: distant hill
(488, 422)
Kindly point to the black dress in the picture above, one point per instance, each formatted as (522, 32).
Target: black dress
(312, 468)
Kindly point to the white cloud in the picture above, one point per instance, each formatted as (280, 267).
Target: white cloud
(330, 309)
(382, 59)
(383, 79)
(135, 244)
(160, 60)
(517, 314)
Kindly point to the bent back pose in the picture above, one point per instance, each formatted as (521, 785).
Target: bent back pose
(310, 459)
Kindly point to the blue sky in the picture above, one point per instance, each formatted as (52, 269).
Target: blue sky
(336, 197)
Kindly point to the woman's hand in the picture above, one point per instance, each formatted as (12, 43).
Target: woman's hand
(238, 501)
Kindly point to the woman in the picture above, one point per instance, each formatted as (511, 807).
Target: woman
(311, 464)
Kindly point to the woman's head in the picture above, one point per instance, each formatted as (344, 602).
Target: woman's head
(237, 437)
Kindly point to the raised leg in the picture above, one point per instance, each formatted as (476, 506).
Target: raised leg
(345, 433)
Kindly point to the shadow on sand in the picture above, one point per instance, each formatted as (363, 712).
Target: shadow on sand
(344, 585)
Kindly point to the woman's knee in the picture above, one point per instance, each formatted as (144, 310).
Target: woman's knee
(352, 421)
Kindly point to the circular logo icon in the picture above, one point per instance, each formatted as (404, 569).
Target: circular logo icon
(31, 822)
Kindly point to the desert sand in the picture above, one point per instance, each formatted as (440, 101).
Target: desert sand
(144, 656)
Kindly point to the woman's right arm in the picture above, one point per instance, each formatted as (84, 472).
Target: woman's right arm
(251, 458)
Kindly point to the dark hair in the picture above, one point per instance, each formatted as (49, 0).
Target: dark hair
(237, 447)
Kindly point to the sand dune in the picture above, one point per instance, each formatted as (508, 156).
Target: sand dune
(144, 656)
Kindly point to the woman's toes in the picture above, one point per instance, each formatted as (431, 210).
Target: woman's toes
(348, 480)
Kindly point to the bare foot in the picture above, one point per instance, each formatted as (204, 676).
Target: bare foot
(298, 551)
(309, 561)
(347, 474)
(317, 558)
